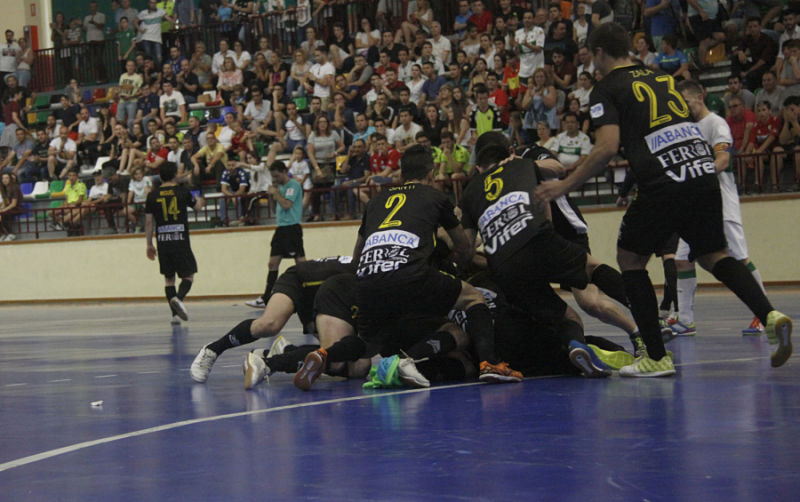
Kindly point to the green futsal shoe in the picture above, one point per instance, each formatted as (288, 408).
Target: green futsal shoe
(614, 359)
(644, 367)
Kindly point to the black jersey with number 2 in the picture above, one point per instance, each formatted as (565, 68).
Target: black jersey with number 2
(499, 204)
(399, 229)
(662, 144)
(168, 205)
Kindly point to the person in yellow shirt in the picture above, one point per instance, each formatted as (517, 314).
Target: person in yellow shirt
(75, 194)
(213, 158)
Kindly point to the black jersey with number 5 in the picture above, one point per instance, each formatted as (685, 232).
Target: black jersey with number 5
(399, 229)
(499, 204)
(662, 143)
(168, 205)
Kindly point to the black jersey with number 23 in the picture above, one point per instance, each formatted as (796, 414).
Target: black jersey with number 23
(399, 228)
(168, 205)
(662, 143)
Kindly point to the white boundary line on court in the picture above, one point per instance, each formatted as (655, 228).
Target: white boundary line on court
(183, 423)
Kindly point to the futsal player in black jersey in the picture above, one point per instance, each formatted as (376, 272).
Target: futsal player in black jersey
(395, 277)
(294, 291)
(167, 218)
(640, 109)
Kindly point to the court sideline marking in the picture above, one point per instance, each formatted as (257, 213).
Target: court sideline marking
(183, 423)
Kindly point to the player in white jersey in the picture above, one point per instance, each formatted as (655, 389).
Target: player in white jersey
(716, 132)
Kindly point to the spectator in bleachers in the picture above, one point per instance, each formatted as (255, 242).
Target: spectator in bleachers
(149, 25)
(233, 183)
(433, 124)
(69, 215)
(298, 71)
(432, 86)
(174, 150)
(155, 156)
(39, 154)
(415, 84)
(706, 26)
(130, 84)
(188, 83)
(498, 97)
(770, 92)
(209, 162)
(9, 51)
(789, 69)
(560, 37)
(324, 144)
(763, 140)
(172, 106)
(93, 25)
(471, 44)
(539, 101)
(426, 55)
(735, 89)
(342, 119)
(484, 116)
(311, 43)
(125, 11)
(545, 139)
(102, 198)
(147, 107)
(583, 90)
(487, 49)
(18, 160)
(450, 160)
(789, 137)
(61, 155)
(791, 31)
(384, 164)
(672, 60)
(664, 17)
(24, 61)
(381, 110)
(195, 133)
(442, 48)
(642, 51)
(354, 170)
(456, 78)
(755, 55)
(341, 48)
(138, 189)
(581, 26)
(13, 117)
(67, 113)
(572, 145)
(406, 132)
(321, 76)
(138, 139)
(529, 43)
(10, 204)
(481, 17)
(586, 61)
(461, 21)
(363, 130)
(367, 40)
(167, 75)
(584, 119)
(219, 57)
(51, 126)
(185, 168)
(562, 72)
(229, 77)
(200, 64)
(741, 121)
(241, 57)
(88, 137)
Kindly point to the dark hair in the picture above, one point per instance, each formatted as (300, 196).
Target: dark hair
(493, 138)
(570, 114)
(167, 171)
(769, 72)
(612, 38)
(421, 134)
(446, 134)
(123, 17)
(558, 50)
(376, 136)
(278, 166)
(751, 19)
(405, 109)
(416, 163)
(480, 89)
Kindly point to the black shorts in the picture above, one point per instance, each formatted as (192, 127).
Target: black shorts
(526, 276)
(290, 285)
(177, 262)
(336, 297)
(694, 215)
(383, 304)
(287, 241)
(581, 240)
(669, 247)
(704, 29)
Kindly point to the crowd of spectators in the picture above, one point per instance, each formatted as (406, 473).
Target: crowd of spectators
(348, 95)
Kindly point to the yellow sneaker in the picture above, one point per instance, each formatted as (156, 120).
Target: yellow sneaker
(614, 359)
(779, 332)
(644, 367)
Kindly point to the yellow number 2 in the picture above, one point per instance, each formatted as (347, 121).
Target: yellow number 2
(493, 186)
(397, 200)
(171, 209)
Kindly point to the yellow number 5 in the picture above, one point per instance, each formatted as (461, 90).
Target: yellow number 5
(493, 186)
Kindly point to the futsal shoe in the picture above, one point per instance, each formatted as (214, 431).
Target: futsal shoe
(755, 328)
(498, 373)
(586, 360)
(258, 303)
(254, 368)
(667, 334)
(410, 375)
(644, 367)
(176, 320)
(614, 359)
(312, 368)
(680, 329)
(779, 332)
(201, 366)
(639, 348)
(278, 346)
(179, 308)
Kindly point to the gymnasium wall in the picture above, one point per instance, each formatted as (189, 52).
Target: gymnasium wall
(234, 262)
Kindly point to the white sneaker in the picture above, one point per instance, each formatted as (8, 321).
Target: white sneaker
(176, 321)
(201, 366)
(254, 369)
(278, 346)
(180, 309)
(258, 303)
(410, 375)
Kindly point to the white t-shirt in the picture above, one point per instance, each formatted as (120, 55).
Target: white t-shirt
(415, 90)
(570, 149)
(88, 127)
(319, 71)
(583, 96)
(299, 169)
(362, 39)
(294, 129)
(219, 58)
(98, 191)
(172, 104)
(529, 61)
(405, 136)
(69, 146)
(8, 56)
(715, 131)
(225, 136)
(93, 33)
(243, 60)
(138, 188)
(175, 156)
(259, 113)
(150, 25)
(260, 179)
(441, 47)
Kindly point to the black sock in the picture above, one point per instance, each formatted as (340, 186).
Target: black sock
(170, 292)
(184, 287)
(610, 282)
(349, 348)
(239, 335)
(644, 307)
(289, 361)
(272, 276)
(735, 275)
(440, 342)
(570, 330)
(670, 285)
(481, 332)
(442, 369)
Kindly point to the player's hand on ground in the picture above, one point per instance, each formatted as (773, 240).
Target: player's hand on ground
(151, 252)
(548, 190)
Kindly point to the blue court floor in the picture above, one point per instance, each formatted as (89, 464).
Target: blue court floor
(727, 427)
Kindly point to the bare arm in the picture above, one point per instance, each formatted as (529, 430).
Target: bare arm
(462, 246)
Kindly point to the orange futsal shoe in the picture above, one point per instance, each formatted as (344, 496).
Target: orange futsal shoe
(498, 373)
(312, 368)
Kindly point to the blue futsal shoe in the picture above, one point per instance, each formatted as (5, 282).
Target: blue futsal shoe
(587, 361)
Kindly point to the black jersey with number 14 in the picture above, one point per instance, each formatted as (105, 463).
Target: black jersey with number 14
(168, 205)
(662, 144)
(499, 204)
(399, 229)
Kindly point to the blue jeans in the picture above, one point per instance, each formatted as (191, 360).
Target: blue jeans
(126, 111)
(223, 208)
(152, 49)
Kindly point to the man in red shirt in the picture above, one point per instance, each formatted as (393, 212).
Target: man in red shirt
(481, 17)
(498, 97)
(155, 156)
(384, 165)
(741, 121)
